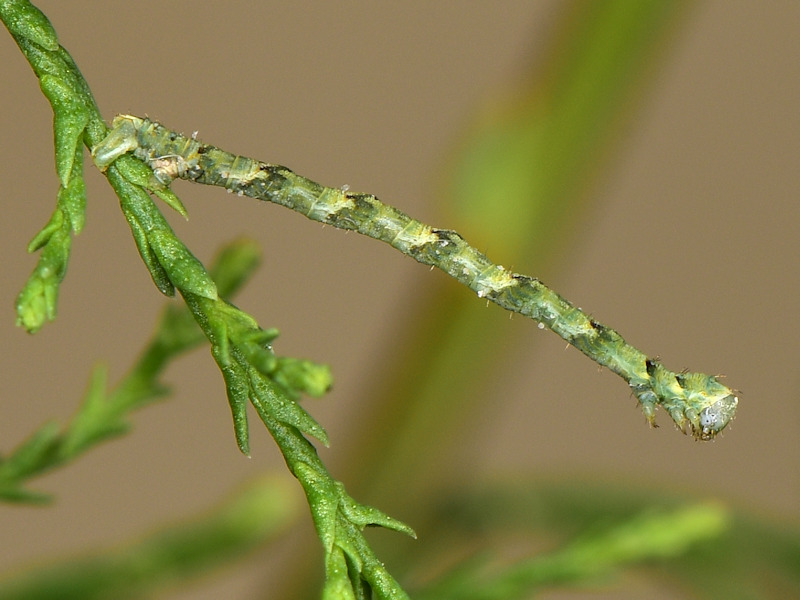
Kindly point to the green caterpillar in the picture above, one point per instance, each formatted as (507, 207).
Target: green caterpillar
(697, 403)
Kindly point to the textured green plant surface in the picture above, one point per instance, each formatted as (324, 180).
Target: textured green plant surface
(565, 116)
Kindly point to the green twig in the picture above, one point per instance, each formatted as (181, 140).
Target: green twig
(76, 119)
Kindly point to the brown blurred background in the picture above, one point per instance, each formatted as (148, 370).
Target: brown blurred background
(689, 247)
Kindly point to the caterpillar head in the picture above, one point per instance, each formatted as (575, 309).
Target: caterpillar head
(714, 418)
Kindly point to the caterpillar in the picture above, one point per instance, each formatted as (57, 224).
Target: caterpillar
(698, 404)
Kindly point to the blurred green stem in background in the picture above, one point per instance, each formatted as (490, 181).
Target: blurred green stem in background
(257, 514)
(654, 534)
(517, 184)
(719, 552)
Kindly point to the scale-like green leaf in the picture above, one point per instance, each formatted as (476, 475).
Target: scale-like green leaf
(23, 19)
